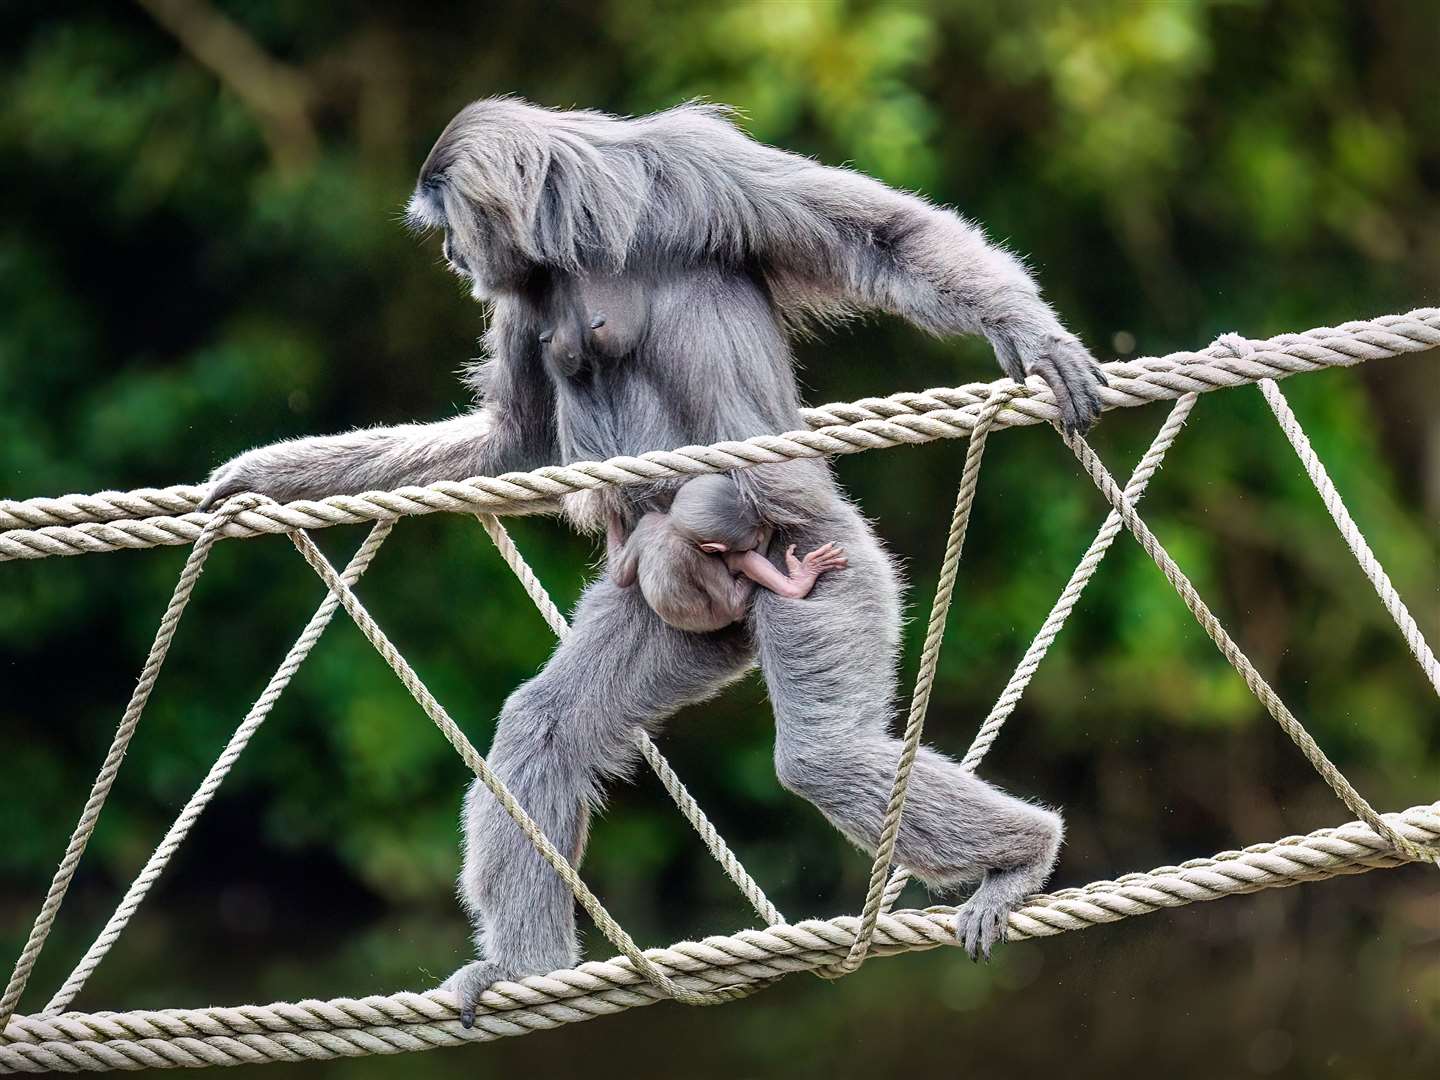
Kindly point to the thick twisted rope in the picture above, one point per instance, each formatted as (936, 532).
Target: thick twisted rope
(989, 413)
(110, 767)
(349, 1027)
(1238, 660)
(180, 829)
(924, 684)
(674, 786)
(40, 528)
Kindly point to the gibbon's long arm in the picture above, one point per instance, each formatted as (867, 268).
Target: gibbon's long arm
(832, 240)
(371, 459)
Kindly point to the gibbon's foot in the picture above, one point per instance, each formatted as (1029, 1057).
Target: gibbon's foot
(982, 923)
(470, 982)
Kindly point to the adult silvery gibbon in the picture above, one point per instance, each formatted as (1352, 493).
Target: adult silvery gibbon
(643, 277)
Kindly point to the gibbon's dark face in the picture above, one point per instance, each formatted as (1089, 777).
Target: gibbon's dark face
(452, 255)
(462, 266)
(425, 214)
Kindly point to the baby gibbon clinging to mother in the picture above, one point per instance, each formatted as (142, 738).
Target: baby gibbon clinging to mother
(698, 564)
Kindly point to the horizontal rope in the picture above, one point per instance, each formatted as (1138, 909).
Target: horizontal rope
(109, 521)
(349, 1027)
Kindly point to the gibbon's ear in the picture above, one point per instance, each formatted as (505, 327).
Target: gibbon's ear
(712, 548)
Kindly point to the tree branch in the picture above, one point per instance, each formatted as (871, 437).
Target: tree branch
(277, 94)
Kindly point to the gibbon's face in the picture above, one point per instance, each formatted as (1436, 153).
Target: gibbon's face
(460, 266)
(424, 214)
(452, 256)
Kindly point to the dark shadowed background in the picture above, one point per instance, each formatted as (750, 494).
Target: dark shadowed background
(200, 251)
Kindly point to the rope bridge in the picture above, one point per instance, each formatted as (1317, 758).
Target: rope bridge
(719, 968)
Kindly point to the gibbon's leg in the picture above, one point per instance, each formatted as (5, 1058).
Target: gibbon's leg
(560, 738)
(829, 664)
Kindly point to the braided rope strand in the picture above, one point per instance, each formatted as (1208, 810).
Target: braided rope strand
(349, 1027)
(924, 683)
(37, 529)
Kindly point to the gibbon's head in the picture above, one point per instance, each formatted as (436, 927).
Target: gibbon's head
(514, 186)
(710, 512)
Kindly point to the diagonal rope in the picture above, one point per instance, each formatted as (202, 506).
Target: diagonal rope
(1064, 605)
(105, 779)
(505, 545)
(1238, 660)
(1070, 595)
(924, 682)
(1354, 538)
(709, 835)
(180, 829)
(438, 715)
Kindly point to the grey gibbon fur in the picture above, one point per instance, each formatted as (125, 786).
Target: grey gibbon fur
(705, 250)
(698, 563)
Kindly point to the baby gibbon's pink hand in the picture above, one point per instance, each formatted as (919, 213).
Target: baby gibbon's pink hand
(821, 560)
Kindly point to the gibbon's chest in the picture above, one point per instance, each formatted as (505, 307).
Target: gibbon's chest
(622, 405)
(612, 395)
(639, 362)
(587, 323)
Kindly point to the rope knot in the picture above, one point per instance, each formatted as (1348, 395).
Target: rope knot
(238, 504)
(1240, 348)
(1008, 389)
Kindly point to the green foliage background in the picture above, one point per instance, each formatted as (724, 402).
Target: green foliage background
(198, 257)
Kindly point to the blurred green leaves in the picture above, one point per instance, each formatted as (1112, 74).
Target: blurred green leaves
(1172, 171)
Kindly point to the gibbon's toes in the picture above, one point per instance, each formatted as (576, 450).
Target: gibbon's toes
(468, 983)
(980, 925)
